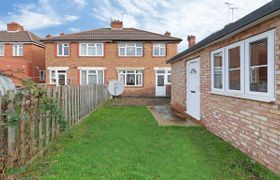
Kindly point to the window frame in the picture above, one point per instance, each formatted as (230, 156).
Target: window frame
(44, 75)
(157, 45)
(87, 45)
(221, 50)
(270, 36)
(87, 74)
(3, 49)
(16, 50)
(242, 73)
(245, 92)
(62, 53)
(56, 69)
(126, 46)
(134, 73)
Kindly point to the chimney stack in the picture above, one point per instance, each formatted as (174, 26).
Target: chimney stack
(13, 26)
(167, 34)
(116, 24)
(191, 41)
(62, 34)
(48, 36)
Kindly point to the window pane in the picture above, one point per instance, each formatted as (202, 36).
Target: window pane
(160, 80)
(20, 52)
(169, 78)
(92, 79)
(139, 52)
(1, 50)
(61, 79)
(60, 49)
(139, 79)
(156, 51)
(162, 51)
(122, 51)
(83, 49)
(100, 77)
(234, 68)
(66, 50)
(99, 50)
(130, 51)
(84, 78)
(258, 66)
(122, 78)
(218, 71)
(130, 79)
(91, 50)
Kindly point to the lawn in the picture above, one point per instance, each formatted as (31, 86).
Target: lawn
(126, 143)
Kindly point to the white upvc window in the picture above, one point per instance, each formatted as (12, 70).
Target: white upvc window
(217, 67)
(130, 49)
(17, 50)
(1, 49)
(168, 77)
(91, 49)
(91, 76)
(131, 77)
(159, 49)
(63, 49)
(41, 75)
(58, 76)
(247, 69)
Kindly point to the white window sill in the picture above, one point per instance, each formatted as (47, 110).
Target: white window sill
(250, 97)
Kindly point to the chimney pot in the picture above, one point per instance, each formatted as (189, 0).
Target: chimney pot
(62, 34)
(48, 36)
(116, 24)
(168, 34)
(14, 26)
(191, 41)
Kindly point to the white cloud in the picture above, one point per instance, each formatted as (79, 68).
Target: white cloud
(181, 18)
(74, 30)
(34, 16)
(80, 3)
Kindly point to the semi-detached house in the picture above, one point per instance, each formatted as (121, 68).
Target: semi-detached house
(135, 57)
(230, 82)
(22, 54)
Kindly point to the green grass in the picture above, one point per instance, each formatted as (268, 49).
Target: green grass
(126, 143)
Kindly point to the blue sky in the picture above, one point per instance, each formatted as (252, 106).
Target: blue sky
(180, 17)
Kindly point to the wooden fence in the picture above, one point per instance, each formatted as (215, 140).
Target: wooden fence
(28, 123)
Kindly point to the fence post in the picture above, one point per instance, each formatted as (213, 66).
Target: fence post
(21, 132)
(53, 117)
(40, 124)
(11, 130)
(2, 140)
(47, 120)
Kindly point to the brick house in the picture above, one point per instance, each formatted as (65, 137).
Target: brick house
(22, 52)
(135, 57)
(230, 83)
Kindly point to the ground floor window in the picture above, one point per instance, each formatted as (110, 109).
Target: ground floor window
(131, 77)
(41, 75)
(89, 77)
(58, 76)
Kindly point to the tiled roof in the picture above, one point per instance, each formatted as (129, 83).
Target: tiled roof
(260, 13)
(129, 34)
(19, 36)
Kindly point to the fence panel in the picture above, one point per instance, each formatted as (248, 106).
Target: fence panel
(46, 114)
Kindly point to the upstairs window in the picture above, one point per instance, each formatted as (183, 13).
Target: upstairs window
(18, 50)
(63, 49)
(91, 49)
(1, 49)
(159, 49)
(130, 49)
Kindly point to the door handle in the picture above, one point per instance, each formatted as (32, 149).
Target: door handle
(192, 91)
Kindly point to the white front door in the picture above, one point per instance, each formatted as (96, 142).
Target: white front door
(160, 84)
(193, 88)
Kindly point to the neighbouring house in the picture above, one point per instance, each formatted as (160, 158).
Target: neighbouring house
(230, 82)
(22, 54)
(133, 56)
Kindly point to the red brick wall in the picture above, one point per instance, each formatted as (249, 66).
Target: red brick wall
(111, 61)
(33, 57)
(251, 126)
